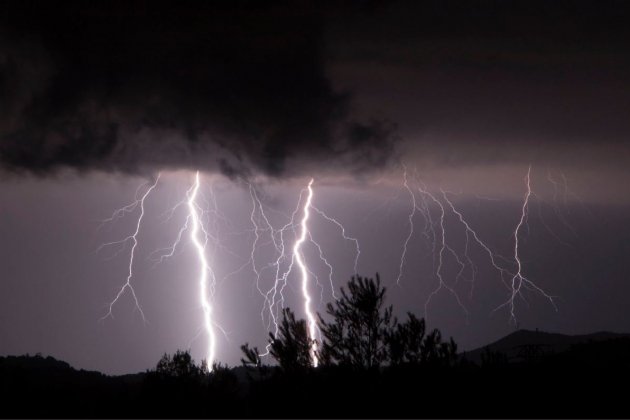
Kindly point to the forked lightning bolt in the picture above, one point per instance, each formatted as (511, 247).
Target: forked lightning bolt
(512, 277)
(199, 238)
(518, 279)
(133, 238)
(206, 276)
(299, 258)
(287, 257)
(443, 247)
(289, 241)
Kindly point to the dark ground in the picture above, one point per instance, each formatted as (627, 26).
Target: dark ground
(585, 379)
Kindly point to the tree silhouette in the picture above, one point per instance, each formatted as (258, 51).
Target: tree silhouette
(252, 356)
(437, 353)
(253, 363)
(291, 347)
(362, 334)
(222, 382)
(175, 380)
(361, 323)
(405, 341)
(180, 365)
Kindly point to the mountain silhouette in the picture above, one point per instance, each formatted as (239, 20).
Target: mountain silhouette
(512, 345)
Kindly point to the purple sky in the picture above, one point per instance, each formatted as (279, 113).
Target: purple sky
(55, 286)
(96, 100)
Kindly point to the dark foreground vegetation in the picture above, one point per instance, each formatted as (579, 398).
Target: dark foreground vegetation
(370, 365)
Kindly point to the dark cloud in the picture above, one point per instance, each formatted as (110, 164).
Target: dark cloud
(285, 88)
(238, 87)
(492, 81)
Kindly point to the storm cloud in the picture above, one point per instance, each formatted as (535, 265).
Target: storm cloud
(494, 82)
(211, 86)
(285, 89)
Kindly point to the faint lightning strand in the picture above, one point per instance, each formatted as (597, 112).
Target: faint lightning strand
(129, 208)
(134, 239)
(273, 298)
(556, 208)
(513, 279)
(343, 234)
(280, 280)
(170, 251)
(539, 201)
(330, 267)
(518, 279)
(443, 246)
(412, 213)
(503, 272)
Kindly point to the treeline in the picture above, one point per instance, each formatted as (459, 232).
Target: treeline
(364, 353)
(369, 364)
(361, 335)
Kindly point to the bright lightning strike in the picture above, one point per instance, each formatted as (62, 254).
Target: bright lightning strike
(199, 237)
(205, 287)
(286, 257)
(297, 252)
(435, 209)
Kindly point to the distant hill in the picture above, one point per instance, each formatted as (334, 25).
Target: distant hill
(25, 366)
(586, 368)
(514, 345)
(511, 345)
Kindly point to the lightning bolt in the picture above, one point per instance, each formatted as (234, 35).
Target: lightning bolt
(512, 277)
(288, 259)
(207, 278)
(345, 236)
(519, 281)
(420, 204)
(295, 229)
(134, 239)
(199, 237)
(262, 226)
(299, 259)
(289, 243)
(443, 247)
(470, 231)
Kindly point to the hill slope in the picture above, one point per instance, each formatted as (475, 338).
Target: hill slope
(513, 344)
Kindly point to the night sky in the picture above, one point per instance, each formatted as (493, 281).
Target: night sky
(97, 99)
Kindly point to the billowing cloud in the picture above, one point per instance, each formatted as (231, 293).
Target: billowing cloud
(286, 89)
(212, 86)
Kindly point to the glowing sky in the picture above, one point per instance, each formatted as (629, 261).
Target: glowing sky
(97, 100)
(55, 286)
